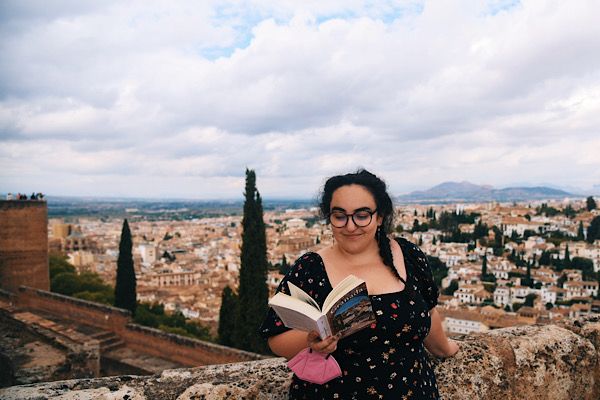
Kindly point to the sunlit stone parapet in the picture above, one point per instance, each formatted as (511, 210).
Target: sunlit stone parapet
(529, 362)
(265, 379)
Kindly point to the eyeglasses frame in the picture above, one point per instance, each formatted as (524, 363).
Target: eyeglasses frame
(348, 216)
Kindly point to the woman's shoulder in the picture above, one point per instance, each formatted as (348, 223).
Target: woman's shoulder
(308, 259)
(413, 252)
(308, 273)
(307, 263)
(407, 245)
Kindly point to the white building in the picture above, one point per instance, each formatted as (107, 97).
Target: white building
(502, 296)
(148, 252)
(518, 293)
(465, 295)
(179, 278)
(551, 294)
(580, 289)
(463, 322)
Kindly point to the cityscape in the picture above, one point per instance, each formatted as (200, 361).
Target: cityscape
(136, 262)
(539, 265)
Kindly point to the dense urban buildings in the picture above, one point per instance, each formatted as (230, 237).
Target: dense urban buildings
(497, 265)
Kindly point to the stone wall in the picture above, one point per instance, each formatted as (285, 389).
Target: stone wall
(176, 348)
(95, 314)
(550, 362)
(31, 353)
(24, 244)
(181, 349)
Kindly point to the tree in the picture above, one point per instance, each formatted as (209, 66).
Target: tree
(253, 292)
(57, 264)
(484, 266)
(561, 280)
(439, 269)
(453, 287)
(590, 203)
(227, 315)
(593, 231)
(545, 258)
(529, 299)
(125, 295)
(586, 266)
(64, 279)
(569, 211)
(65, 283)
(567, 259)
(580, 232)
(284, 267)
(480, 231)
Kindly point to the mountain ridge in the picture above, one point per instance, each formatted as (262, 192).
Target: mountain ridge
(466, 191)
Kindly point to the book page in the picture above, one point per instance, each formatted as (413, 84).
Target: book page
(297, 320)
(295, 313)
(300, 294)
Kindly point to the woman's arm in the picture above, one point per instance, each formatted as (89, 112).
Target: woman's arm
(290, 343)
(437, 342)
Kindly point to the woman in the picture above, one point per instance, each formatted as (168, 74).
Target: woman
(386, 360)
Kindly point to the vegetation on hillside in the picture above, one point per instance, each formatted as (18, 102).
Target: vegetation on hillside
(64, 279)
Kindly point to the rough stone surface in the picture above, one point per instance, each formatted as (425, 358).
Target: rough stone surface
(32, 353)
(531, 362)
(589, 328)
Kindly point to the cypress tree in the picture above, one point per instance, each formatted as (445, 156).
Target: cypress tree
(567, 260)
(125, 295)
(227, 316)
(580, 232)
(253, 292)
(529, 280)
(593, 230)
(484, 267)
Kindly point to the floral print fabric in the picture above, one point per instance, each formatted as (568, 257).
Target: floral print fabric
(386, 360)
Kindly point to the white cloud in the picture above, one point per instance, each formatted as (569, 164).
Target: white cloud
(421, 92)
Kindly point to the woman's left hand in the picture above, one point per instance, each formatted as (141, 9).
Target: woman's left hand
(326, 346)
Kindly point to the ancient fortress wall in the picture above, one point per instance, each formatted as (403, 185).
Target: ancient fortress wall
(176, 348)
(181, 349)
(24, 244)
(549, 362)
(77, 310)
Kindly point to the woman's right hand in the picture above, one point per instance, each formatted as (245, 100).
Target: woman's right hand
(326, 346)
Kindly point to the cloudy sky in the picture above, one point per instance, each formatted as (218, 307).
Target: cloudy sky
(176, 99)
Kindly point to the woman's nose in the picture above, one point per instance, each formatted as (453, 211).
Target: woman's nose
(350, 225)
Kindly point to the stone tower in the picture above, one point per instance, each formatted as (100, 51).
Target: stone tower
(24, 244)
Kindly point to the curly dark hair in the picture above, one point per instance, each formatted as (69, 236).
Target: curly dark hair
(385, 207)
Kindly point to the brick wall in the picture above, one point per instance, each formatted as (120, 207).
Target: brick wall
(181, 349)
(86, 312)
(24, 244)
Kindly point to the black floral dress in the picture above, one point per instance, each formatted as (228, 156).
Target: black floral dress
(386, 360)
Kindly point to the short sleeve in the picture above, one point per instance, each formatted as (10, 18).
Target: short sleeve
(307, 275)
(422, 274)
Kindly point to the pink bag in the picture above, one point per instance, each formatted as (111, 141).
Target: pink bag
(314, 367)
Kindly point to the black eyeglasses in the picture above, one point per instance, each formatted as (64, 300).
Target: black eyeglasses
(360, 218)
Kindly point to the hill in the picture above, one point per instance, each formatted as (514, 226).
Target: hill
(469, 192)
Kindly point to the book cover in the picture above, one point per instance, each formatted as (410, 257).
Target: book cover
(352, 312)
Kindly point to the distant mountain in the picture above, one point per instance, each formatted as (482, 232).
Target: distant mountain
(465, 191)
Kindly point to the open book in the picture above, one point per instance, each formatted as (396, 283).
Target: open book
(346, 309)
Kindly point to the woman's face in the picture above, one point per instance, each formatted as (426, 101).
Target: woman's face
(350, 199)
